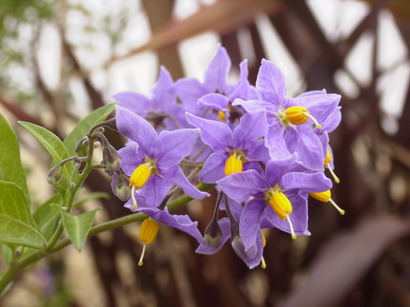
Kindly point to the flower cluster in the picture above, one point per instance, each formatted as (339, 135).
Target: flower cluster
(264, 153)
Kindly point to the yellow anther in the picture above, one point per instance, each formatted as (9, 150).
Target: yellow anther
(221, 115)
(323, 196)
(233, 165)
(296, 115)
(283, 208)
(140, 176)
(299, 116)
(326, 197)
(281, 205)
(263, 239)
(148, 232)
(329, 159)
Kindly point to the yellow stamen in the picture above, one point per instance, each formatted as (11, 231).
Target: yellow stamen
(299, 116)
(263, 239)
(263, 263)
(140, 176)
(283, 208)
(292, 231)
(233, 165)
(326, 197)
(329, 159)
(280, 204)
(222, 116)
(335, 178)
(148, 233)
(134, 201)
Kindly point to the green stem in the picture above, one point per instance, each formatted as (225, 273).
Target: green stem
(11, 273)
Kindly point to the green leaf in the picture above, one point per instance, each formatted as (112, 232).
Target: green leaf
(55, 148)
(47, 217)
(17, 225)
(78, 226)
(82, 128)
(11, 169)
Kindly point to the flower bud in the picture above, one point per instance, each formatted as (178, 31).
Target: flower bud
(55, 174)
(213, 233)
(82, 147)
(111, 158)
(122, 189)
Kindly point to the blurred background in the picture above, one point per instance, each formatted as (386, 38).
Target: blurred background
(60, 59)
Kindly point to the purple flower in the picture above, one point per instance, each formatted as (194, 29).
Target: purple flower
(162, 109)
(278, 199)
(244, 146)
(215, 92)
(289, 119)
(151, 160)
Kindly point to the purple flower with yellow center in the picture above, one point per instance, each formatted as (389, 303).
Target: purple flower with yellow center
(293, 121)
(277, 199)
(151, 160)
(162, 109)
(215, 92)
(233, 151)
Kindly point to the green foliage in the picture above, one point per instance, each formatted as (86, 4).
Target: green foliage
(17, 225)
(55, 148)
(46, 216)
(10, 165)
(82, 128)
(78, 226)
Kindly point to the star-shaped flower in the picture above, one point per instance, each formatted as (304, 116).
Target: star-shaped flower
(290, 119)
(151, 160)
(234, 150)
(277, 199)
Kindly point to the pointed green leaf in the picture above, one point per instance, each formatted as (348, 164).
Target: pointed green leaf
(78, 226)
(47, 217)
(17, 225)
(84, 125)
(55, 148)
(10, 166)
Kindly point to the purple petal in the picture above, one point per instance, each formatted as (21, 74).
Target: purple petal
(180, 222)
(275, 142)
(215, 101)
(252, 126)
(205, 249)
(243, 89)
(255, 105)
(217, 72)
(270, 83)
(313, 182)
(309, 148)
(215, 134)
(135, 128)
(155, 190)
(134, 102)
(190, 90)
(253, 255)
(275, 169)
(214, 168)
(163, 93)
(172, 146)
(249, 225)
(176, 176)
(240, 186)
(131, 158)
